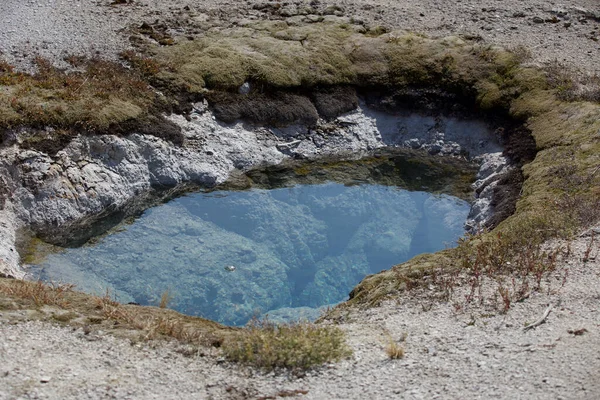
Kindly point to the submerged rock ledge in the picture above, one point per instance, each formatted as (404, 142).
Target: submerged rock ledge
(59, 197)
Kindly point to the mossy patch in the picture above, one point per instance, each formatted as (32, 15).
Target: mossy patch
(281, 61)
(96, 97)
(272, 53)
(312, 55)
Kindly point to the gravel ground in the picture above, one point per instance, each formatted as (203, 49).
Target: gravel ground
(470, 353)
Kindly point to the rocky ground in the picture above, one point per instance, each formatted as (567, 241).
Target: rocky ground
(452, 351)
(567, 31)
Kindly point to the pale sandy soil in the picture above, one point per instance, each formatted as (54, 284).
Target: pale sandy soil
(473, 352)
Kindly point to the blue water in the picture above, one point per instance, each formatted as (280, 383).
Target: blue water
(229, 256)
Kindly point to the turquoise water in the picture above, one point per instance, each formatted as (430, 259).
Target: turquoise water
(229, 256)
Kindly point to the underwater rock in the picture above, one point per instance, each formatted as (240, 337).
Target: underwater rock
(230, 256)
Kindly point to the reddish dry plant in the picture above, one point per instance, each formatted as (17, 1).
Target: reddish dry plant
(495, 261)
(588, 250)
(92, 97)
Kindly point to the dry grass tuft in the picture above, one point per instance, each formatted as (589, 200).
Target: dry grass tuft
(296, 346)
(39, 292)
(165, 299)
(573, 87)
(394, 350)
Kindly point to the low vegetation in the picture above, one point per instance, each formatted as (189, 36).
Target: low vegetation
(95, 96)
(87, 311)
(275, 57)
(273, 54)
(296, 346)
(39, 293)
(394, 350)
(513, 271)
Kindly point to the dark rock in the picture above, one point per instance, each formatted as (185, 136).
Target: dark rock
(505, 196)
(331, 102)
(277, 108)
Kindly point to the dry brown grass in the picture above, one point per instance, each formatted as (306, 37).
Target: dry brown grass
(165, 299)
(38, 292)
(573, 87)
(155, 326)
(151, 322)
(394, 350)
(265, 345)
(96, 95)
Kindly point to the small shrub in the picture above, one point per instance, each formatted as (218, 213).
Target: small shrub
(573, 87)
(296, 346)
(497, 258)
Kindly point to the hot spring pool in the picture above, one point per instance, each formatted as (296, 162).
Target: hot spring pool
(229, 256)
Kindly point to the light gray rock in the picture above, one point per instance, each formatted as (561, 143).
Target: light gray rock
(9, 257)
(493, 166)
